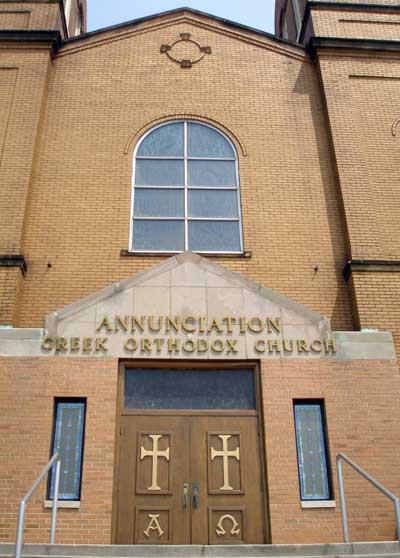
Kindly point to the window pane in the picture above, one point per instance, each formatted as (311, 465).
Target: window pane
(212, 203)
(189, 389)
(166, 141)
(156, 202)
(211, 173)
(214, 236)
(68, 442)
(206, 142)
(158, 235)
(313, 470)
(159, 173)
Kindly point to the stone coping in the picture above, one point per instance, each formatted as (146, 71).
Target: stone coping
(350, 345)
(197, 551)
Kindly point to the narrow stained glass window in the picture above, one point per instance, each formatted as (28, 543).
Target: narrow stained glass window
(68, 442)
(186, 191)
(311, 451)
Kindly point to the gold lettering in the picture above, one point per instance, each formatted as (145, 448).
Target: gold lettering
(153, 526)
(152, 326)
(215, 325)
(202, 345)
(131, 344)
(74, 343)
(242, 321)
(330, 344)
(61, 344)
(276, 325)
(186, 326)
(217, 346)
(220, 530)
(48, 344)
(173, 345)
(189, 346)
(202, 324)
(230, 322)
(225, 454)
(159, 342)
(302, 346)
(87, 344)
(155, 453)
(274, 345)
(256, 328)
(316, 346)
(137, 323)
(286, 347)
(231, 346)
(118, 321)
(259, 346)
(105, 323)
(100, 344)
(172, 321)
(145, 345)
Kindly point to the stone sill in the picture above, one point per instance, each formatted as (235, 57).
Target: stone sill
(245, 254)
(71, 504)
(318, 504)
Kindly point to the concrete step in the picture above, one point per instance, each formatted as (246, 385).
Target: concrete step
(334, 550)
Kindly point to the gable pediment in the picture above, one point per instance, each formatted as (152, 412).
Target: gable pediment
(182, 20)
(187, 307)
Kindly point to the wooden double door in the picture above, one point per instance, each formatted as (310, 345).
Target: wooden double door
(190, 479)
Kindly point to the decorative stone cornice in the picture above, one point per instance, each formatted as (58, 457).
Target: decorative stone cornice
(345, 45)
(363, 266)
(32, 36)
(14, 261)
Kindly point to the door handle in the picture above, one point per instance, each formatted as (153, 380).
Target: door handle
(195, 495)
(185, 494)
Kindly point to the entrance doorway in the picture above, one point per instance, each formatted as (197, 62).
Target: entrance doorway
(189, 468)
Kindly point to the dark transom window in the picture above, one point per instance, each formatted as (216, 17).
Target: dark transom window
(186, 191)
(189, 389)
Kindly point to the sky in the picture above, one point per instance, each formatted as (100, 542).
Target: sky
(254, 13)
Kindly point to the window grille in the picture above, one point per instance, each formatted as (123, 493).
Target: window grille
(186, 191)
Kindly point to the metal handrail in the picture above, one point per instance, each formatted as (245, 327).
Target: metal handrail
(366, 476)
(55, 461)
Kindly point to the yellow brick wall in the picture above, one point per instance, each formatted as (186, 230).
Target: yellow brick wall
(10, 284)
(24, 72)
(378, 304)
(361, 94)
(356, 25)
(26, 15)
(102, 93)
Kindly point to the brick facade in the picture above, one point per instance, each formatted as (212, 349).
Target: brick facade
(316, 128)
(358, 407)
(27, 436)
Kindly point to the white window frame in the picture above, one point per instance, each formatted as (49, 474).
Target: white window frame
(297, 16)
(186, 188)
(68, 5)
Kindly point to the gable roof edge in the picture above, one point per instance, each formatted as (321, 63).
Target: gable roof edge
(184, 11)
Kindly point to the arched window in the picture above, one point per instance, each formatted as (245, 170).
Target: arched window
(185, 191)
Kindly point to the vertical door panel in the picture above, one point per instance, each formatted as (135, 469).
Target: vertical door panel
(154, 466)
(226, 471)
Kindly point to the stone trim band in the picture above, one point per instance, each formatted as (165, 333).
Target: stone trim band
(14, 261)
(370, 265)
